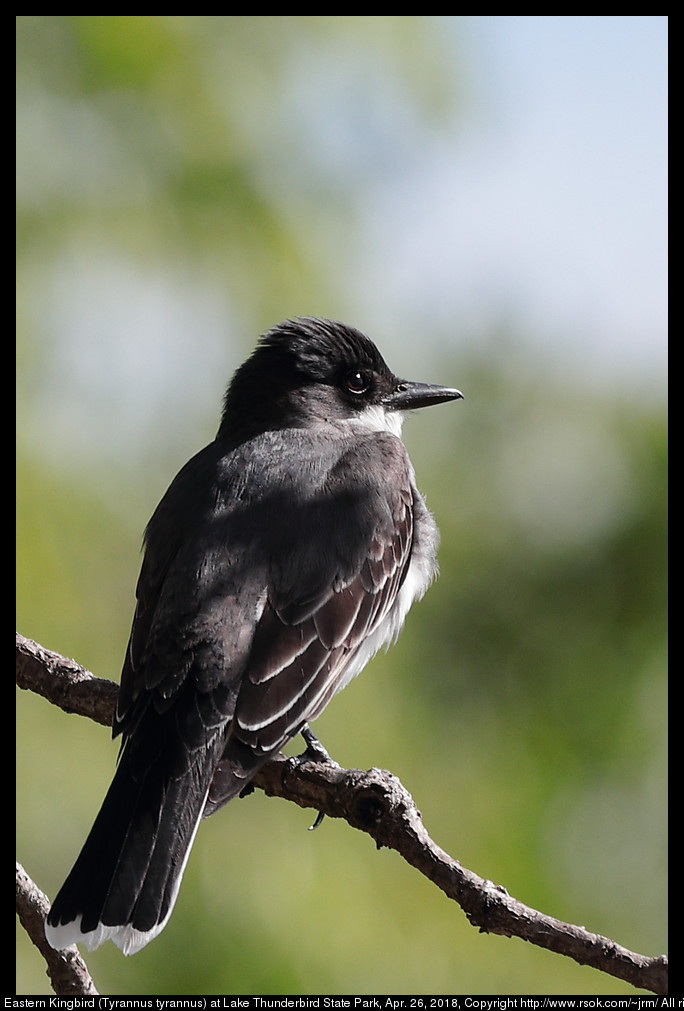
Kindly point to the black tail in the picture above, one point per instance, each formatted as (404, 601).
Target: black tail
(125, 881)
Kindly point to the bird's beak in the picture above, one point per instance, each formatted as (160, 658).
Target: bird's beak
(408, 396)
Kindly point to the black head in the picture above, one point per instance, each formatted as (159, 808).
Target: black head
(309, 370)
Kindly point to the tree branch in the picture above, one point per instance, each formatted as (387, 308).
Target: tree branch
(64, 682)
(67, 971)
(374, 802)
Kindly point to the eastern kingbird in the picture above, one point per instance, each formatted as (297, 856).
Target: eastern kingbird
(279, 561)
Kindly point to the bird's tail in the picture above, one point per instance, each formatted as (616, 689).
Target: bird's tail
(125, 881)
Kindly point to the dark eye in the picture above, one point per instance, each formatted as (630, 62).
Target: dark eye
(357, 382)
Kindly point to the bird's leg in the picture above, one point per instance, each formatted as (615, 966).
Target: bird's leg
(315, 752)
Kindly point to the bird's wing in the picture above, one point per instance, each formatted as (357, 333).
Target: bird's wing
(186, 644)
(332, 589)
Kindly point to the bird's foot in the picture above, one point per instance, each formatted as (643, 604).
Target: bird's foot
(315, 752)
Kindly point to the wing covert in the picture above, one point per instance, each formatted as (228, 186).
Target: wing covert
(298, 663)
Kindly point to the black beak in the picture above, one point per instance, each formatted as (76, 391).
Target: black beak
(408, 396)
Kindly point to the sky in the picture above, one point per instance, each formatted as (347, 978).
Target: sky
(548, 204)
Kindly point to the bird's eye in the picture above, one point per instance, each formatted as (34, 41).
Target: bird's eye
(357, 382)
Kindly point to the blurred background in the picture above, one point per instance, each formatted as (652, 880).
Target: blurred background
(485, 197)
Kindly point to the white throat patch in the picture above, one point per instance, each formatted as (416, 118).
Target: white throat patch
(376, 419)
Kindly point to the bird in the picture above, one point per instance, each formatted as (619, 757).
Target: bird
(282, 557)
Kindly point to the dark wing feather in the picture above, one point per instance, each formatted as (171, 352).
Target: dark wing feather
(304, 651)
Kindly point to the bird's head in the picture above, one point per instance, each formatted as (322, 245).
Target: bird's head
(306, 371)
